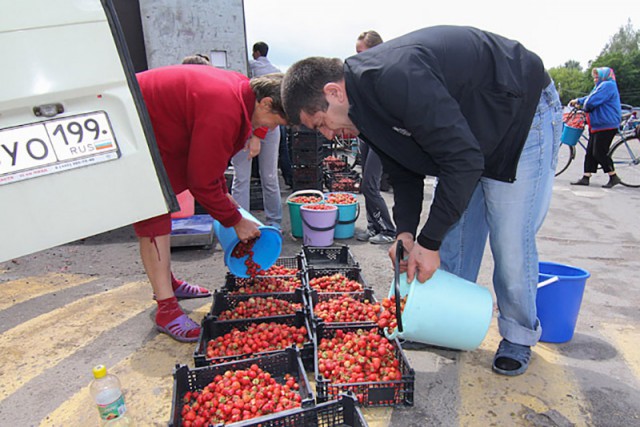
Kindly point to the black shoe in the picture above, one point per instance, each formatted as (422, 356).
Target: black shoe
(613, 180)
(582, 181)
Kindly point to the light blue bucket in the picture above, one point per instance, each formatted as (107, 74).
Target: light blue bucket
(266, 249)
(445, 311)
(347, 216)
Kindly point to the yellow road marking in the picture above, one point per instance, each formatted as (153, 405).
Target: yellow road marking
(30, 348)
(626, 339)
(17, 291)
(147, 381)
(490, 399)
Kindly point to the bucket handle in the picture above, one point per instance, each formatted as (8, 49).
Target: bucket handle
(396, 281)
(352, 220)
(331, 227)
(548, 282)
(301, 192)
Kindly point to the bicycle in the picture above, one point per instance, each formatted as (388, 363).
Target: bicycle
(624, 151)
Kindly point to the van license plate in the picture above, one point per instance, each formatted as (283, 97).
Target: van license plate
(51, 146)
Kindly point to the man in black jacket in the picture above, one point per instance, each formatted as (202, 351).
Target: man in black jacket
(479, 112)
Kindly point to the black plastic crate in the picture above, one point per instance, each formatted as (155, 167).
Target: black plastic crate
(307, 178)
(212, 328)
(223, 301)
(233, 284)
(307, 138)
(332, 256)
(383, 393)
(307, 156)
(342, 181)
(277, 364)
(338, 163)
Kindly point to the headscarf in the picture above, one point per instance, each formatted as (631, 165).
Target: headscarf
(604, 74)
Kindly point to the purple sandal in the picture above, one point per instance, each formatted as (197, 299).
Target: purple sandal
(186, 290)
(179, 327)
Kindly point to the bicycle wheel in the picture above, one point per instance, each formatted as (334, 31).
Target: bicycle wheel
(566, 154)
(626, 159)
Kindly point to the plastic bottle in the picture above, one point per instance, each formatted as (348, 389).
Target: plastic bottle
(106, 392)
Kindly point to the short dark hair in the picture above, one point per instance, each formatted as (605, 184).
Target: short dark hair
(261, 47)
(303, 85)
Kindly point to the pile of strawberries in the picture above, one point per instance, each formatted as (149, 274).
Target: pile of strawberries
(388, 317)
(341, 199)
(263, 285)
(260, 307)
(257, 338)
(305, 199)
(347, 309)
(358, 356)
(335, 283)
(243, 249)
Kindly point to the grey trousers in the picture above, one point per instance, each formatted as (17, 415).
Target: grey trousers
(268, 159)
(378, 218)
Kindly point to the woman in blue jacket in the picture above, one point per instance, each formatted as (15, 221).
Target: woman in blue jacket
(604, 115)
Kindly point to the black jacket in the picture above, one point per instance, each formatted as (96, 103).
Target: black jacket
(451, 102)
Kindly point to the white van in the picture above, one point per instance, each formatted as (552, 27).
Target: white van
(77, 152)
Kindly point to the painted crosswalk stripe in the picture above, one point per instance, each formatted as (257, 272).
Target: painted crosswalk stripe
(147, 382)
(17, 291)
(53, 336)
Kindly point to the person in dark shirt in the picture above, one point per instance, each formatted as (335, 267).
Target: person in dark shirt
(479, 112)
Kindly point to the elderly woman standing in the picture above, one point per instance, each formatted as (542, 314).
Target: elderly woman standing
(603, 114)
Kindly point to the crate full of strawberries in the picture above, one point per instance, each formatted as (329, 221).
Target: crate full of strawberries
(235, 307)
(225, 340)
(360, 359)
(248, 392)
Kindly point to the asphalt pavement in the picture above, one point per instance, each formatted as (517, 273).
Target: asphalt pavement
(68, 308)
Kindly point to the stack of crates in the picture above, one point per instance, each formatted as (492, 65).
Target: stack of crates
(307, 151)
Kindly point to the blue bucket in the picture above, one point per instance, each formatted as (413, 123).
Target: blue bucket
(570, 135)
(266, 249)
(446, 310)
(347, 216)
(558, 303)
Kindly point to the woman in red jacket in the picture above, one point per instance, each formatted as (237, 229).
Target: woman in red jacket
(201, 117)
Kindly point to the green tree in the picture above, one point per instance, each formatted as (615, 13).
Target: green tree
(625, 41)
(570, 80)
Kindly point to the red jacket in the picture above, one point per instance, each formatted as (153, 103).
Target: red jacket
(201, 117)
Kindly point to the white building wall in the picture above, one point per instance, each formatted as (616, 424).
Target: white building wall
(174, 29)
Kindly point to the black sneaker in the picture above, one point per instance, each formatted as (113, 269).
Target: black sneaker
(365, 235)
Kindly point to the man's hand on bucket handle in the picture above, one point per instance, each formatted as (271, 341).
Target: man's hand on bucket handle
(423, 261)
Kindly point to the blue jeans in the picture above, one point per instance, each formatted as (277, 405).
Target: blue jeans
(511, 214)
(268, 162)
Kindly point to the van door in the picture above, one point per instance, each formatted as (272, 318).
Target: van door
(77, 152)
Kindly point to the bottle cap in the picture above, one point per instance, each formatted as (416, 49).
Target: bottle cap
(99, 371)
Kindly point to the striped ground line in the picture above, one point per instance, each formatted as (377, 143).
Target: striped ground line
(490, 399)
(56, 335)
(17, 291)
(147, 382)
